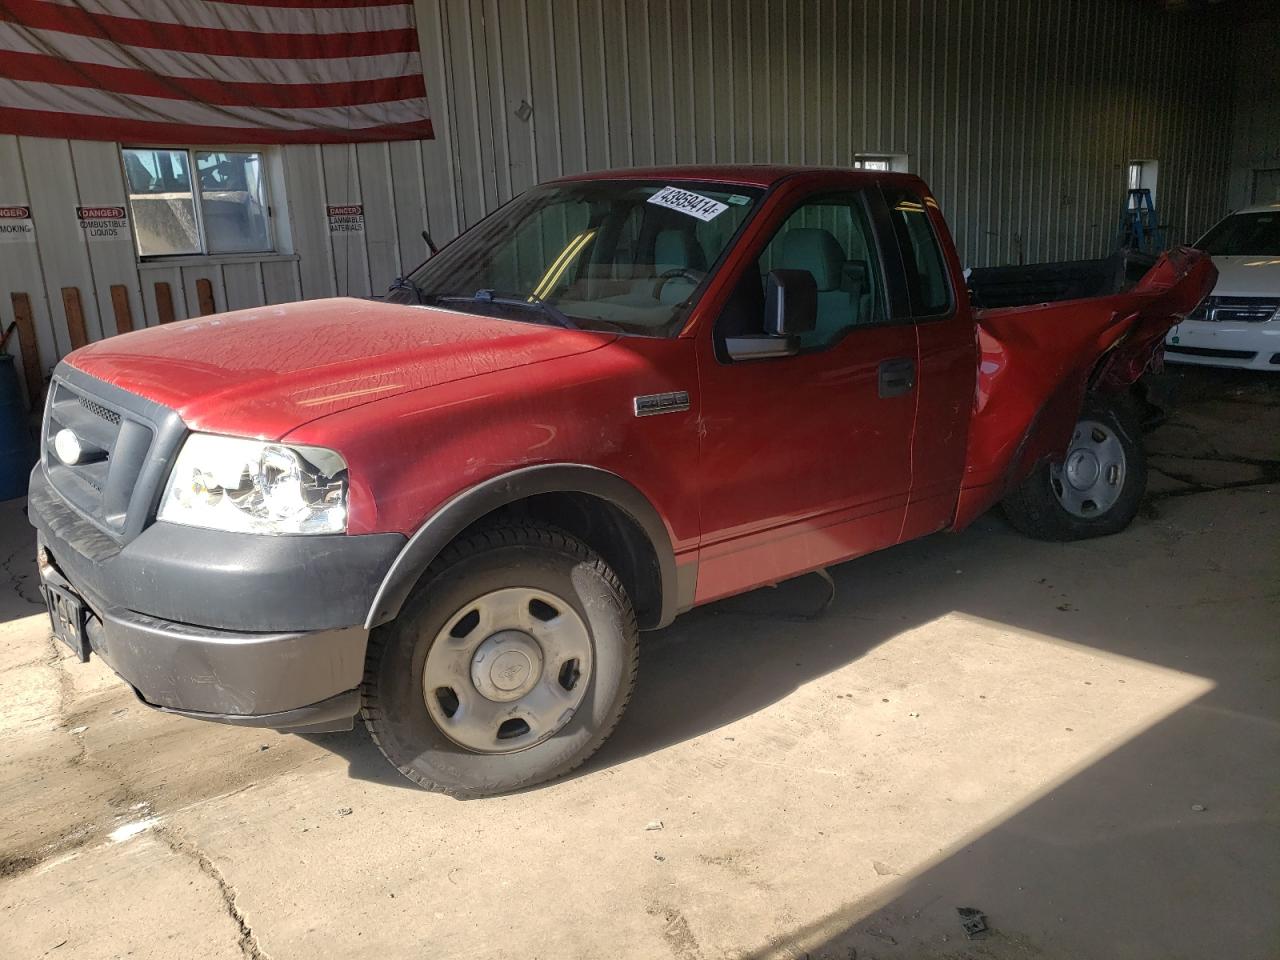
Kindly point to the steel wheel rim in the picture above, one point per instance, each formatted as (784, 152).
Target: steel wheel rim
(1091, 477)
(507, 670)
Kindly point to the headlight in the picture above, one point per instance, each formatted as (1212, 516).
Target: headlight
(251, 486)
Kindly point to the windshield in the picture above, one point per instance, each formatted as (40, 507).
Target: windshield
(1244, 235)
(621, 255)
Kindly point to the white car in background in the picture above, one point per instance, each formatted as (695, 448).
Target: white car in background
(1238, 325)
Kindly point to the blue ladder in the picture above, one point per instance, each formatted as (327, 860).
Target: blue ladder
(1139, 226)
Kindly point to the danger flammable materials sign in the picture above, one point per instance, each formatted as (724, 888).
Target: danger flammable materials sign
(345, 217)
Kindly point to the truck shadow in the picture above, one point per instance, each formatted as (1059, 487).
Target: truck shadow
(1160, 847)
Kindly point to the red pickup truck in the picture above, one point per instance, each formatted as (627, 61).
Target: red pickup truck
(620, 396)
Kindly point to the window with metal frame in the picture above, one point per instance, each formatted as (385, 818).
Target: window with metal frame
(1142, 175)
(831, 237)
(926, 271)
(188, 202)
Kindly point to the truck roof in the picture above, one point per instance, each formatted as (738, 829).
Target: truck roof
(741, 174)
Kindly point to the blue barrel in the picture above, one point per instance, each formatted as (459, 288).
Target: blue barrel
(17, 452)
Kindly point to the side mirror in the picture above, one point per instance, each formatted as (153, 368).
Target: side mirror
(790, 309)
(790, 303)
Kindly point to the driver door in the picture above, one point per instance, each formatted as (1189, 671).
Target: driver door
(806, 459)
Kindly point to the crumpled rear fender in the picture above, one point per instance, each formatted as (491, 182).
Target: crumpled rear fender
(1037, 365)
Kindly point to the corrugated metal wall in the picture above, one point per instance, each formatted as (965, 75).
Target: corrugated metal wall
(1256, 123)
(1021, 116)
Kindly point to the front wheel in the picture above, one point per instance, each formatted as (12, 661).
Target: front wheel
(509, 665)
(1095, 490)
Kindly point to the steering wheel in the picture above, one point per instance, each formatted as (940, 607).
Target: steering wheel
(668, 275)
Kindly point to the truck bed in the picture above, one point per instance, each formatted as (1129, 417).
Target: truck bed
(1026, 284)
(1038, 358)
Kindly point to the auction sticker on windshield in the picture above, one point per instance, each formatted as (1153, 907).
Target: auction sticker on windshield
(694, 204)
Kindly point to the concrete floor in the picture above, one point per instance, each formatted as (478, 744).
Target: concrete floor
(1079, 740)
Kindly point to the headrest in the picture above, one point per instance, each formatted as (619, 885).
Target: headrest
(674, 249)
(815, 250)
(856, 275)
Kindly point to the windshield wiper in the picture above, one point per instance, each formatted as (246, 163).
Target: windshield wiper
(529, 302)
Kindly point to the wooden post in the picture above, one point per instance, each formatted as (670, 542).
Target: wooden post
(164, 303)
(120, 306)
(75, 317)
(204, 296)
(30, 349)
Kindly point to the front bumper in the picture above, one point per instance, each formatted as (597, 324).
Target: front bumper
(240, 628)
(1246, 346)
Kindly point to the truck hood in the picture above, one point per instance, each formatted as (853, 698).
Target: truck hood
(266, 371)
(1247, 277)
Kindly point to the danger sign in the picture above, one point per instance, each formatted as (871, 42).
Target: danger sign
(16, 225)
(103, 223)
(345, 217)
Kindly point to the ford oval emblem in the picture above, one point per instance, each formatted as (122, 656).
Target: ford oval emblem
(67, 446)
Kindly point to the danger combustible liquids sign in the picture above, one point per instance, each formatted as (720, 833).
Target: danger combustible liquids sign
(103, 223)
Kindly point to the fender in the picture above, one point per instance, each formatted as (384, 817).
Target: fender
(469, 506)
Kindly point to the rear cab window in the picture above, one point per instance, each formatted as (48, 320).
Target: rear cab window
(924, 267)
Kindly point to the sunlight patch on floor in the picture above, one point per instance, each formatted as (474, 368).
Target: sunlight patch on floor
(977, 720)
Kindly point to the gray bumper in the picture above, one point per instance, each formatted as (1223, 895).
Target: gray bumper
(281, 641)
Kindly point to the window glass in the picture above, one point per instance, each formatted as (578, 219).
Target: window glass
(926, 271)
(1244, 234)
(603, 254)
(193, 202)
(831, 237)
(161, 202)
(233, 200)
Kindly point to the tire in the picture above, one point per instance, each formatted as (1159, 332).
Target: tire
(1057, 502)
(509, 607)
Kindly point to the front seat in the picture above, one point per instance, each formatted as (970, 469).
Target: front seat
(816, 250)
(857, 281)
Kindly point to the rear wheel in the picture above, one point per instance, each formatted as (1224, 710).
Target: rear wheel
(510, 664)
(1095, 490)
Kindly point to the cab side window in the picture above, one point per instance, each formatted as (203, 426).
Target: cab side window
(830, 236)
(926, 271)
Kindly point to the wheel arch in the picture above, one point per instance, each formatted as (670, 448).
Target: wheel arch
(600, 507)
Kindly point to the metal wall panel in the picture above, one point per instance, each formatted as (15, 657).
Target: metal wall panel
(1020, 115)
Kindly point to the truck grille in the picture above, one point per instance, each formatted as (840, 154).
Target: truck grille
(1236, 309)
(128, 442)
(102, 486)
(98, 410)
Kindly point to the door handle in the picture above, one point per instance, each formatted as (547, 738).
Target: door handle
(897, 376)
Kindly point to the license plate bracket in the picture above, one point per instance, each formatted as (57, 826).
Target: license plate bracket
(68, 617)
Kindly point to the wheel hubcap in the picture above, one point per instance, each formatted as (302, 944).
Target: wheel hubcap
(506, 665)
(507, 670)
(1089, 480)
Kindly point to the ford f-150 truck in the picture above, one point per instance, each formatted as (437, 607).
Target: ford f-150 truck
(619, 396)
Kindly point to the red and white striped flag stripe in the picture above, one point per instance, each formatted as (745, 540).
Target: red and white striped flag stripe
(212, 71)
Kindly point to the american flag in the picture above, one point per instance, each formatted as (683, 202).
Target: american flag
(212, 71)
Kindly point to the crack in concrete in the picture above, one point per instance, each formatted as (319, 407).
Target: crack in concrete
(16, 580)
(1269, 471)
(169, 835)
(248, 942)
(1197, 486)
